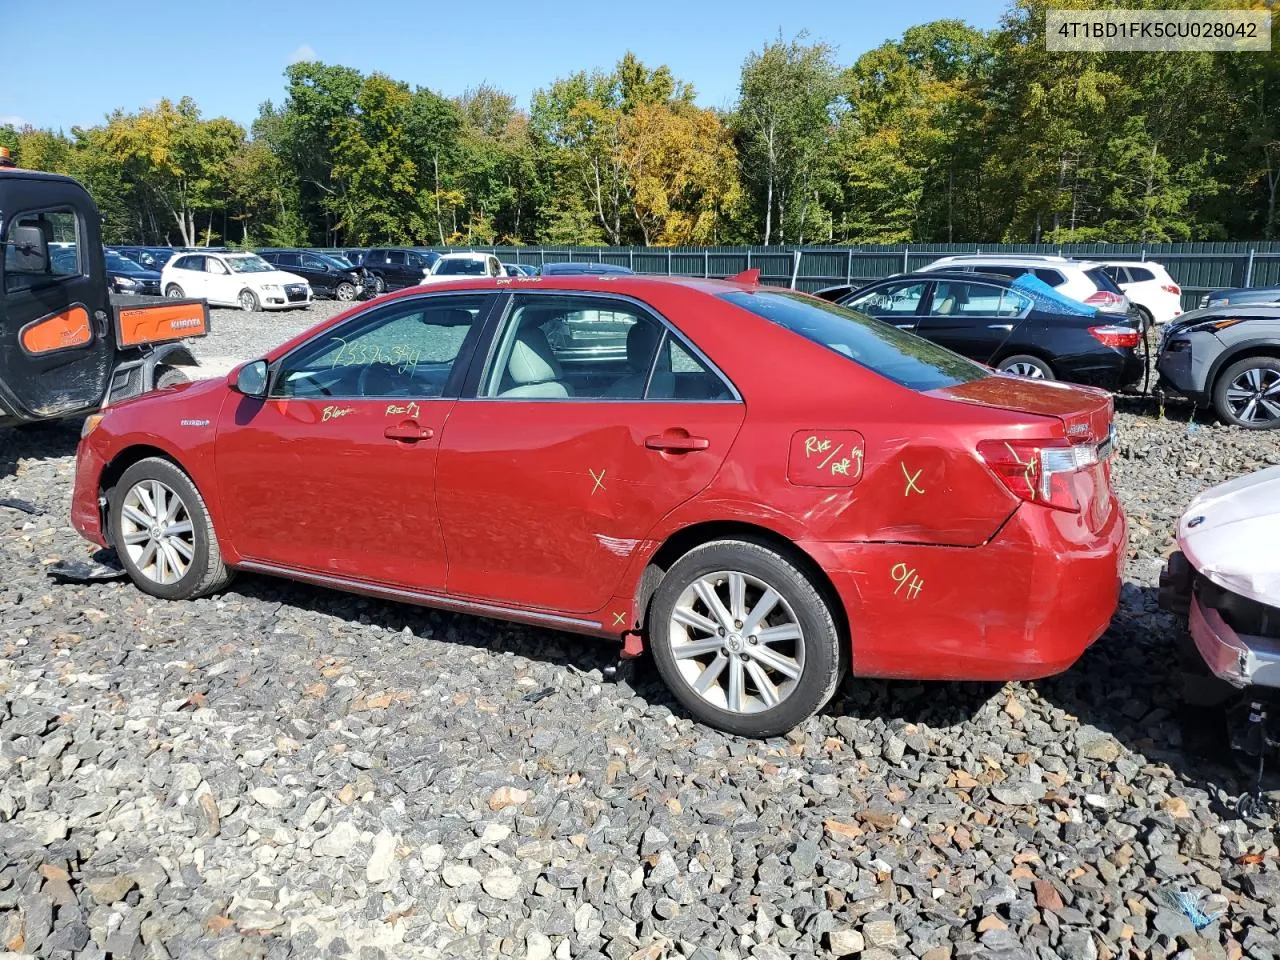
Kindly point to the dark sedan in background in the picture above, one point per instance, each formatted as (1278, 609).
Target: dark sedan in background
(328, 276)
(127, 276)
(1226, 357)
(1021, 326)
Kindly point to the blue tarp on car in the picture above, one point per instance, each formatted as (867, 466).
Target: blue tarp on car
(1049, 299)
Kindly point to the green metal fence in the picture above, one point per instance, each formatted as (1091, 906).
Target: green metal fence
(1197, 267)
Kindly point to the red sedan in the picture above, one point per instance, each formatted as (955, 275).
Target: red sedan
(763, 488)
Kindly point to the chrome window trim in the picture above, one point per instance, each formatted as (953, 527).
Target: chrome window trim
(670, 329)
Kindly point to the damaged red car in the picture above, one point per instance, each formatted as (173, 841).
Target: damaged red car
(763, 489)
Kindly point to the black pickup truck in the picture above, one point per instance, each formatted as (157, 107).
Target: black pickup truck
(68, 346)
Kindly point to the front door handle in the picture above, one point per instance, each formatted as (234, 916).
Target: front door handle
(672, 442)
(408, 432)
(999, 326)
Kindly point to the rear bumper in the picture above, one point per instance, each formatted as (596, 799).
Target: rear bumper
(1027, 604)
(1111, 368)
(1240, 659)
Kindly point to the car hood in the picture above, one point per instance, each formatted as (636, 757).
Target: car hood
(271, 276)
(1229, 532)
(1244, 311)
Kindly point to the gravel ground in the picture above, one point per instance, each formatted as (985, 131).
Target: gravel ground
(285, 771)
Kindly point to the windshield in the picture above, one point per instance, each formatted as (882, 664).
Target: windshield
(338, 261)
(249, 263)
(122, 264)
(461, 267)
(902, 357)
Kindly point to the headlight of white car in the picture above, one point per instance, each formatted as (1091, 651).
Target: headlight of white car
(271, 287)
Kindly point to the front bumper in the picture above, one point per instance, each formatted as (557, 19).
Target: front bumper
(1240, 659)
(86, 507)
(1025, 605)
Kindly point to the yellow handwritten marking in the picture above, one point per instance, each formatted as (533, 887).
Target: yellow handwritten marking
(906, 576)
(599, 480)
(813, 445)
(334, 413)
(830, 457)
(409, 409)
(619, 618)
(912, 486)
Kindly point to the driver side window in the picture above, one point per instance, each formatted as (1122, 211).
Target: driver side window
(214, 266)
(893, 300)
(406, 350)
(61, 229)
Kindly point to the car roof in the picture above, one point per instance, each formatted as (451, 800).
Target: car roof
(1002, 257)
(934, 275)
(465, 255)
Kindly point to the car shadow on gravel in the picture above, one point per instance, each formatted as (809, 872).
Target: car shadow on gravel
(40, 441)
(1130, 684)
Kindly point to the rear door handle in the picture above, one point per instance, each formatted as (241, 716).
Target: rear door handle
(408, 432)
(671, 443)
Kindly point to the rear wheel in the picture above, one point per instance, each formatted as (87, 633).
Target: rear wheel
(345, 291)
(379, 285)
(248, 300)
(744, 639)
(1247, 393)
(1025, 365)
(174, 292)
(163, 533)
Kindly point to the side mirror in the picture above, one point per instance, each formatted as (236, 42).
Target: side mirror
(30, 249)
(252, 379)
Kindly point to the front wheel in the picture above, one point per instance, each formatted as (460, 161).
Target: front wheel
(379, 286)
(163, 534)
(1024, 365)
(170, 377)
(174, 292)
(744, 639)
(345, 291)
(248, 301)
(1247, 393)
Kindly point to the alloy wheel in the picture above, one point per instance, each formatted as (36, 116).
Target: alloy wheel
(346, 291)
(1021, 369)
(246, 300)
(736, 642)
(157, 531)
(1254, 395)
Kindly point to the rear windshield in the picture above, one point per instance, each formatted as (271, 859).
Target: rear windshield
(1102, 280)
(460, 267)
(902, 357)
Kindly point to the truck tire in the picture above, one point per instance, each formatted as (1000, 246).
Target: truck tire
(170, 377)
(174, 292)
(163, 533)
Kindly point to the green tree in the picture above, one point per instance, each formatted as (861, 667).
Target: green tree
(787, 107)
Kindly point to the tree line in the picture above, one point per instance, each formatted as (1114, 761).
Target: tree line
(947, 134)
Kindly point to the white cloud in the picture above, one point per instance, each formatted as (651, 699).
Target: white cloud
(304, 52)
(12, 121)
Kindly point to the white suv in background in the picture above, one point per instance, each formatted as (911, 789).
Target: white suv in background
(1083, 280)
(241, 280)
(456, 266)
(1149, 286)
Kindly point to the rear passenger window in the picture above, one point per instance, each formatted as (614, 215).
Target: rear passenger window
(977, 300)
(679, 375)
(1052, 277)
(1140, 274)
(396, 257)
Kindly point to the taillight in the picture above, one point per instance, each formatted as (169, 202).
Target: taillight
(1171, 288)
(1038, 471)
(1104, 298)
(1115, 336)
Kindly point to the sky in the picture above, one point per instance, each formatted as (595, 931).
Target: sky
(84, 58)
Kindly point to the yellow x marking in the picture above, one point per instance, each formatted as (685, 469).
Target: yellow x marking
(599, 480)
(912, 486)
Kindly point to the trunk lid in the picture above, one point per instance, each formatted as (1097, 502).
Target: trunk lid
(1085, 413)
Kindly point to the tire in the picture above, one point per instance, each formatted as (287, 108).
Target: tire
(379, 286)
(170, 377)
(1247, 393)
(1025, 365)
(808, 641)
(248, 300)
(174, 292)
(345, 292)
(204, 571)
(1148, 321)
